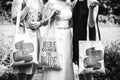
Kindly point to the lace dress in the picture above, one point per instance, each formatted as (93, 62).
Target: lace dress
(33, 15)
(64, 42)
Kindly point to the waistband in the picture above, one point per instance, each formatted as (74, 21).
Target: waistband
(64, 28)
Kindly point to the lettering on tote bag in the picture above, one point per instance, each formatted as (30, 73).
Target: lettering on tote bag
(49, 56)
(25, 46)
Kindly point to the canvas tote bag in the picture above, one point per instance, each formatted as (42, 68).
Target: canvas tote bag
(25, 46)
(49, 56)
(91, 55)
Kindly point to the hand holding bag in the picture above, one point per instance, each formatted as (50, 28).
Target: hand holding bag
(91, 55)
(25, 46)
(49, 56)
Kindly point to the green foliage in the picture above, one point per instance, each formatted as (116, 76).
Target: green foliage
(5, 59)
(5, 10)
(110, 7)
(112, 62)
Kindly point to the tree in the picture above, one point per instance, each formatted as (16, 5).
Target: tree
(5, 9)
(110, 7)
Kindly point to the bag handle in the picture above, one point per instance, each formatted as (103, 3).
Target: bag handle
(25, 27)
(18, 22)
(96, 29)
(97, 34)
(50, 28)
(49, 24)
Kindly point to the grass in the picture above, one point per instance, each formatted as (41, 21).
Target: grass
(109, 33)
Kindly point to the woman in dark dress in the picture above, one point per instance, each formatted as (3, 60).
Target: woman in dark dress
(83, 10)
(80, 21)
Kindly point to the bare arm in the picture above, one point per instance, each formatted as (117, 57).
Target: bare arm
(16, 7)
(44, 21)
(93, 11)
(51, 16)
(71, 3)
(74, 2)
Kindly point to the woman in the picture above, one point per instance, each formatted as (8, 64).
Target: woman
(63, 39)
(30, 17)
(84, 13)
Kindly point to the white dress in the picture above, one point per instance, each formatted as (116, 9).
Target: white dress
(33, 13)
(64, 43)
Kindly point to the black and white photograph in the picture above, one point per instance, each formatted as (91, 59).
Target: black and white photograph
(59, 39)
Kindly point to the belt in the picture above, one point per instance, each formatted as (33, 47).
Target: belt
(63, 28)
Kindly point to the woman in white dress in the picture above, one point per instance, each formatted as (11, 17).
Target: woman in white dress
(30, 15)
(63, 39)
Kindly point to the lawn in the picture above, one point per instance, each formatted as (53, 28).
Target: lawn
(109, 33)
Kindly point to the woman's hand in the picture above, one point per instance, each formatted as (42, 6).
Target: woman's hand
(35, 25)
(53, 14)
(93, 5)
(72, 4)
(91, 21)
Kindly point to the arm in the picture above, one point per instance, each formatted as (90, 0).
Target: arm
(74, 2)
(51, 16)
(48, 13)
(71, 3)
(93, 11)
(16, 7)
(38, 24)
(44, 21)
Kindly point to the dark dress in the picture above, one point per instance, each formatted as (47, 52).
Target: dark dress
(80, 18)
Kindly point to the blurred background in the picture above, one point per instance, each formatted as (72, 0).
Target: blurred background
(109, 24)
